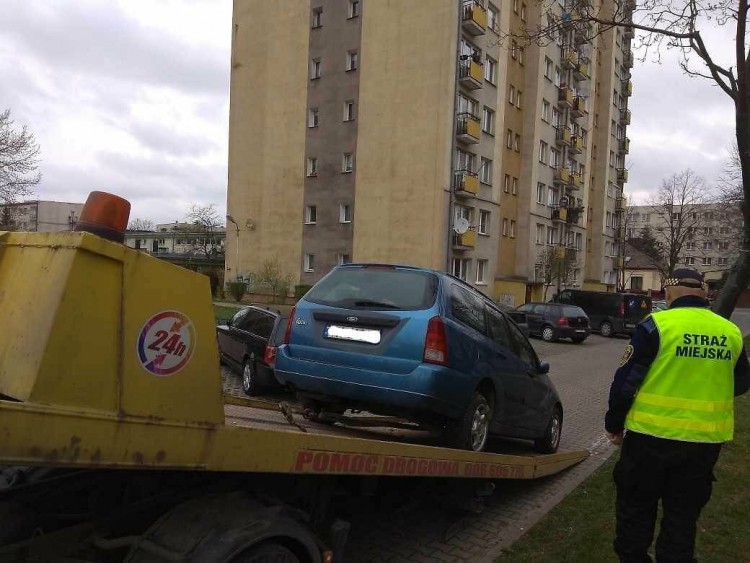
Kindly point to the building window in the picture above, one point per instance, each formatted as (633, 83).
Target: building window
(523, 12)
(311, 214)
(551, 236)
(488, 121)
(512, 229)
(315, 68)
(312, 166)
(579, 241)
(460, 268)
(484, 222)
(353, 8)
(312, 118)
(543, 152)
(708, 245)
(343, 259)
(349, 110)
(518, 99)
(514, 188)
(485, 171)
(352, 60)
(482, 272)
(545, 110)
(347, 162)
(690, 245)
(636, 282)
(551, 196)
(506, 183)
(493, 18)
(490, 70)
(706, 260)
(517, 143)
(309, 263)
(549, 68)
(556, 158)
(345, 213)
(509, 139)
(539, 234)
(708, 230)
(540, 191)
(722, 261)
(317, 17)
(515, 6)
(511, 94)
(505, 226)
(514, 49)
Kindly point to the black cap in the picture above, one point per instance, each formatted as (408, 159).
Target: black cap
(686, 277)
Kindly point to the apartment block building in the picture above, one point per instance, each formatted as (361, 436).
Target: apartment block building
(708, 236)
(178, 239)
(40, 216)
(426, 134)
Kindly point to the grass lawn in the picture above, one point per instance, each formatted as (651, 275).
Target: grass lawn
(581, 528)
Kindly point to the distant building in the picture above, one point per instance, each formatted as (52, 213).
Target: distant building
(180, 239)
(40, 216)
(641, 272)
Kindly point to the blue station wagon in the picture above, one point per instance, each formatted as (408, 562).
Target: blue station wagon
(421, 345)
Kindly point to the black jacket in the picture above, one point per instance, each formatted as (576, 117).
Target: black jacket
(630, 375)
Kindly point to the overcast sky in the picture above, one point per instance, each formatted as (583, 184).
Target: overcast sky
(132, 97)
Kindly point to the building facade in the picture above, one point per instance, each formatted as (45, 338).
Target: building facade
(178, 238)
(40, 216)
(705, 236)
(392, 132)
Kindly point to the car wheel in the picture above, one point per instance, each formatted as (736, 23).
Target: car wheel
(249, 378)
(265, 552)
(548, 443)
(313, 412)
(548, 334)
(606, 329)
(578, 340)
(473, 429)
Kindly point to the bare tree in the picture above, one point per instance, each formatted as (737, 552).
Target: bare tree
(556, 266)
(272, 277)
(677, 25)
(141, 225)
(19, 158)
(679, 207)
(204, 221)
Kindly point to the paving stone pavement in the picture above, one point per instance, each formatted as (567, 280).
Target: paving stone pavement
(424, 529)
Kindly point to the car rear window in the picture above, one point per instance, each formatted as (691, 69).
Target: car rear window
(376, 288)
(569, 311)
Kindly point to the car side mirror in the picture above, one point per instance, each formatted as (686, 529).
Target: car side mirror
(229, 322)
(543, 367)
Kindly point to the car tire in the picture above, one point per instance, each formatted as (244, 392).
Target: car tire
(472, 430)
(548, 334)
(549, 443)
(606, 330)
(578, 340)
(250, 378)
(267, 551)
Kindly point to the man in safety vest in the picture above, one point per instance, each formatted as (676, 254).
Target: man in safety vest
(674, 393)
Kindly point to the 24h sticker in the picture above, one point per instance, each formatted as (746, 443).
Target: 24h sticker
(166, 343)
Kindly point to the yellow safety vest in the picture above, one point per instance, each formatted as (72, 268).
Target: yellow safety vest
(688, 392)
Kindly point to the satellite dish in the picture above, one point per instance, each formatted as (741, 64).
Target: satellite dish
(461, 225)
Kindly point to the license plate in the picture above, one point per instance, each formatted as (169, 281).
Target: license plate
(629, 325)
(580, 331)
(351, 333)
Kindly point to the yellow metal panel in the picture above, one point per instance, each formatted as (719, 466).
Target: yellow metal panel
(471, 184)
(479, 15)
(469, 239)
(562, 213)
(474, 128)
(476, 71)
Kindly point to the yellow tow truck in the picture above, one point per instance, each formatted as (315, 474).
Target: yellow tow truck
(117, 443)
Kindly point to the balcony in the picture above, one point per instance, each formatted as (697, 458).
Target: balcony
(620, 233)
(581, 71)
(568, 215)
(576, 144)
(565, 97)
(579, 107)
(623, 145)
(562, 175)
(465, 183)
(582, 32)
(474, 18)
(560, 214)
(627, 58)
(563, 136)
(625, 116)
(622, 175)
(466, 241)
(627, 87)
(468, 128)
(470, 73)
(568, 59)
(619, 204)
(576, 181)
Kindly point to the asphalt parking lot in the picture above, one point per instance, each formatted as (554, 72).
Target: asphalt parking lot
(421, 528)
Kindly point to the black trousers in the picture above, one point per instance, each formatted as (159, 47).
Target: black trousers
(680, 474)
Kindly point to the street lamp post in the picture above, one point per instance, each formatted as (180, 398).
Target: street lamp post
(237, 249)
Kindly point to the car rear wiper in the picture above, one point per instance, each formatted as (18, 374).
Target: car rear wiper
(376, 304)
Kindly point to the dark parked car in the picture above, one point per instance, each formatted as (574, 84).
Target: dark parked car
(552, 321)
(609, 313)
(421, 345)
(246, 344)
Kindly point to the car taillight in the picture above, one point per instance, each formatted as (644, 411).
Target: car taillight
(269, 356)
(621, 309)
(562, 321)
(289, 323)
(436, 342)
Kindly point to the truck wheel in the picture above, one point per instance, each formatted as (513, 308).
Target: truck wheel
(548, 334)
(606, 329)
(472, 430)
(548, 443)
(267, 552)
(249, 378)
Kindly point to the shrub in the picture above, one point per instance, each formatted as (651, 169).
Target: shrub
(237, 290)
